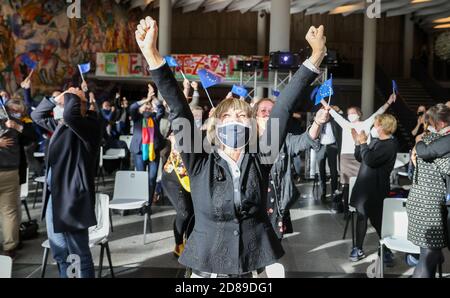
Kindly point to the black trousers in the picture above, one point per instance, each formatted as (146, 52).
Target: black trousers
(365, 210)
(182, 202)
(329, 152)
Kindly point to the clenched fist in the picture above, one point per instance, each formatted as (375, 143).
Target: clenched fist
(317, 40)
(146, 37)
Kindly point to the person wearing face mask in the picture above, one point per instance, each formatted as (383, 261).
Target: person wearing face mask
(372, 183)
(232, 235)
(14, 135)
(419, 129)
(427, 213)
(282, 192)
(69, 190)
(147, 140)
(4, 97)
(122, 115)
(349, 166)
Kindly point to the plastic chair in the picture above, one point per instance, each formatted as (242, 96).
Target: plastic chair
(394, 230)
(38, 180)
(98, 235)
(131, 193)
(352, 211)
(5, 267)
(24, 195)
(275, 271)
(126, 139)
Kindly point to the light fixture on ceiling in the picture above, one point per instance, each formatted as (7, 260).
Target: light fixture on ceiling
(442, 20)
(442, 26)
(419, 1)
(347, 8)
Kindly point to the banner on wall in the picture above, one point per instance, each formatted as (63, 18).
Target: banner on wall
(134, 65)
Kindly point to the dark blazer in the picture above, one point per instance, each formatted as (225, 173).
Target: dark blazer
(72, 155)
(230, 237)
(136, 117)
(373, 182)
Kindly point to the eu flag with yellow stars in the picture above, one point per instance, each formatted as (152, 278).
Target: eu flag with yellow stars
(209, 78)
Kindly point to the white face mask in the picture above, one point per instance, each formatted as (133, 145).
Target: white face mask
(58, 112)
(353, 117)
(374, 133)
(432, 129)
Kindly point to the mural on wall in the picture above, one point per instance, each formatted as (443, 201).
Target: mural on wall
(43, 31)
(134, 65)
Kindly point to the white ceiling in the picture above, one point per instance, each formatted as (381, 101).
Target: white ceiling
(423, 13)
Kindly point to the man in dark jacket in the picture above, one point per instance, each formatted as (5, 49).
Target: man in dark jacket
(69, 192)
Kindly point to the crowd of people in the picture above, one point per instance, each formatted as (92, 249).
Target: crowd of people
(248, 148)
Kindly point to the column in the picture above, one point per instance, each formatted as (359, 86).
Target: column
(280, 25)
(262, 43)
(280, 29)
(408, 46)
(369, 63)
(165, 27)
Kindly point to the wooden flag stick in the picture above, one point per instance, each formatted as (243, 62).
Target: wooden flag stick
(81, 73)
(182, 73)
(209, 97)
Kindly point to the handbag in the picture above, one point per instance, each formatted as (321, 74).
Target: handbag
(28, 230)
(183, 181)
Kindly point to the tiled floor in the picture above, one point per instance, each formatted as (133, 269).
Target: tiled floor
(315, 249)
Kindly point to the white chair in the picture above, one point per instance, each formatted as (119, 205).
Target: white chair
(131, 193)
(5, 267)
(39, 181)
(126, 139)
(113, 154)
(352, 211)
(275, 271)
(98, 235)
(394, 229)
(24, 195)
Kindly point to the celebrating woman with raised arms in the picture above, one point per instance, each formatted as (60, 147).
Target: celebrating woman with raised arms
(232, 235)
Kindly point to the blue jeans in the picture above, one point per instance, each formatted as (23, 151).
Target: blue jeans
(64, 244)
(152, 173)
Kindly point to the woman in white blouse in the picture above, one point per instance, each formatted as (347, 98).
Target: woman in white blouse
(349, 166)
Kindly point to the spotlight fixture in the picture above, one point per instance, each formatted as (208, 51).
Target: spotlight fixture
(284, 60)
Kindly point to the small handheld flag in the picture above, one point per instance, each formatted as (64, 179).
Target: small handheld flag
(208, 79)
(239, 90)
(30, 63)
(325, 90)
(275, 93)
(313, 93)
(84, 68)
(394, 87)
(172, 62)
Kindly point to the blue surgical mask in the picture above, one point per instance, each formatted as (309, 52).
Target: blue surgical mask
(58, 112)
(234, 135)
(16, 115)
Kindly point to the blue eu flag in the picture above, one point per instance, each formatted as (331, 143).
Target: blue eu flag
(394, 87)
(30, 63)
(275, 93)
(325, 90)
(84, 68)
(208, 78)
(239, 90)
(313, 93)
(172, 62)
